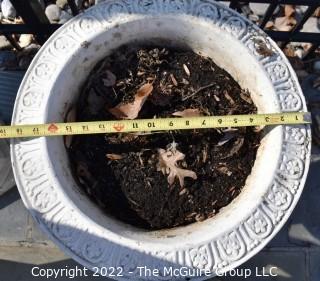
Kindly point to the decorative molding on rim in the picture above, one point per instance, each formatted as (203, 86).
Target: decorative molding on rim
(229, 250)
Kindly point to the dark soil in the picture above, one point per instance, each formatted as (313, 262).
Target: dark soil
(132, 189)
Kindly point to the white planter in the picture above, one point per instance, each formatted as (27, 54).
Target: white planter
(92, 238)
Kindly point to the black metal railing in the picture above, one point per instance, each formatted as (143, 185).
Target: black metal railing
(36, 22)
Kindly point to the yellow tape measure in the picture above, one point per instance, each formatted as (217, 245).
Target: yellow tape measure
(161, 124)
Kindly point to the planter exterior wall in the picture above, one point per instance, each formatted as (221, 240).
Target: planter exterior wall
(96, 240)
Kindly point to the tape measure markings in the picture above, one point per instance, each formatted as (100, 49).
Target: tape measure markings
(161, 124)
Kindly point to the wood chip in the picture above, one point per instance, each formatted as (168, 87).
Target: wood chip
(189, 112)
(199, 217)
(186, 69)
(113, 156)
(140, 73)
(228, 97)
(226, 138)
(224, 170)
(216, 98)
(183, 191)
(245, 96)
(205, 154)
(185, 81)
(191, 215)
(173, 79)
(235, 148)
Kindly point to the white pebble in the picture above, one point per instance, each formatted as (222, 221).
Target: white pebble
(25, 40)
(8, 11)
(53, 13)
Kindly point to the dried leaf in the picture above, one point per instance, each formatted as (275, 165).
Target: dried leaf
(285, 23)
(131, 110)
(110, 80)
(269, 24)
(189, 112)
(289, 10)
(168, 165)
(306, 46)
(113, 156)
(71, 117)
(186, 70)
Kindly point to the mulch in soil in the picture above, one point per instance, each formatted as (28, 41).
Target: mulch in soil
(132, 188)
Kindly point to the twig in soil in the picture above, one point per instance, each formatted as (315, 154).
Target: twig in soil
(189, 112)
(174, 80)
(186, 69)
(235, 149)
(113, 156)
(197, 91)
(228, 97)
(246, 97)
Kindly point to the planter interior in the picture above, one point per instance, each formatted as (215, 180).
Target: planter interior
(201, 38)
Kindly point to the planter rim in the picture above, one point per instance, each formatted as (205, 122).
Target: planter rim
(59, 216)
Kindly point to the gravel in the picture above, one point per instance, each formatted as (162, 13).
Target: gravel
(53, 13)
(8, 11)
